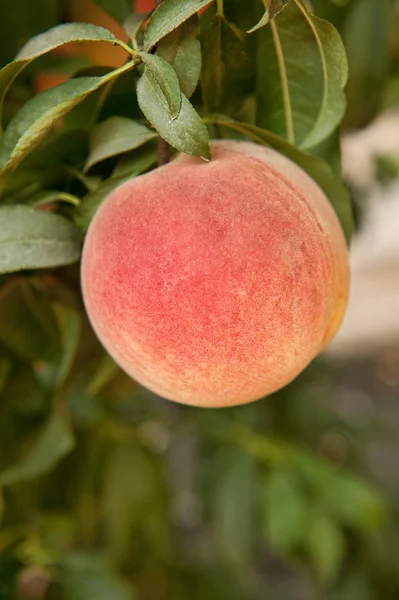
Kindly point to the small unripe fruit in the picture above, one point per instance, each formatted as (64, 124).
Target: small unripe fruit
(214, 284)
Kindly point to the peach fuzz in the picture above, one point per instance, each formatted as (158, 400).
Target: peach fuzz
(216, 283)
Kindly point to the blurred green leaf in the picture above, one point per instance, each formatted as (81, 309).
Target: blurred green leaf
(226, 67)
(325, 545)
(49, 196)
(105, 372)
(352, 501)
(39, 115)
(36, 239)
(233, 507)
(115, 136)
(186, 133)
(285, 511)
(86, 577)
(165, 77)
(55, 442)
(22, 393)
(300, 94)
(134, 499)
(27, 325)
(70, 327)
(182, 50)
(366, 40)
(167, 17)
(332, 186)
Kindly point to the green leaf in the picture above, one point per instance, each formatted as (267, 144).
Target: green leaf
(182, 50)
(119, 9)
(325, 545)
(164, 75)
(28, 327)
(186, 133)
(38, 116)
(167, 17)
(115, 136)
(272, 10)
(134, 497)
(233, 507)
(49, 196)
(226, 68)
(366, 37)
(301, 94)
(134, 166)
(70, 328)
(332, 186)
(23, 393)
(353, 501)
(47, 41)
(36, 239)
(284, 511)
(55, 442)
(87, 577)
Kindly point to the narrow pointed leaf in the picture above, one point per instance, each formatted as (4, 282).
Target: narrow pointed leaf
(167, 17)
(186, 133)
(182, 49)
(47, 41)
(37, 117)
(273, 8)
(301, 94)
(165, 76)
(36, 239)
(55, 442)
(115, 136)
(226, 68)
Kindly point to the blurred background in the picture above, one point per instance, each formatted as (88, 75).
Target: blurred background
(295, 497)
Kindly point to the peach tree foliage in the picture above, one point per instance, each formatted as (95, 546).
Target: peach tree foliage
(87, 489)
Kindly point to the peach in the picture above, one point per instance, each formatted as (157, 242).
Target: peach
(216, 283)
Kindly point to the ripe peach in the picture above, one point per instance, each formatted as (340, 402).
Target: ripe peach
(214, 284)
